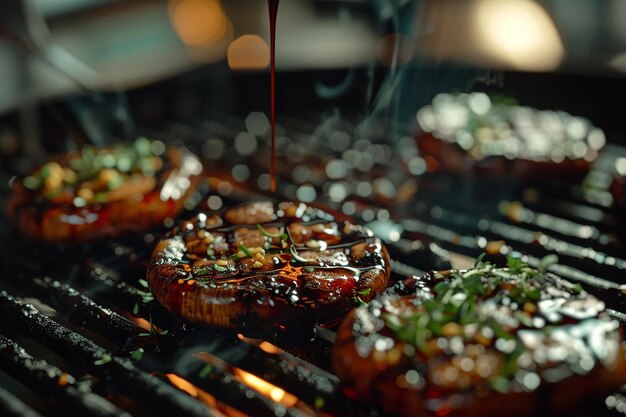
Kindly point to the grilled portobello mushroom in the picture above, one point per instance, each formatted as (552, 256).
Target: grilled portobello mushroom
(99, 193)
(488, 341)
(286, 265)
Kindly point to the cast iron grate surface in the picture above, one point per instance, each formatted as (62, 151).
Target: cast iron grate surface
(80, 333)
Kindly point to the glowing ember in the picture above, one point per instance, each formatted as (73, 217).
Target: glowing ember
(141, 322)
(183, 384)
(217, 409)
(265, 388)
(266, 347)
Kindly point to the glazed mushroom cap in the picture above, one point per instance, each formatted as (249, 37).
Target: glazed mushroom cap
(279, 264)
(488, 341)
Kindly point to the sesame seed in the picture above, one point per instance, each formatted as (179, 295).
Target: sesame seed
(257, 264)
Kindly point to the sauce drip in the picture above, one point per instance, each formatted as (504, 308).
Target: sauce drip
(273, 11)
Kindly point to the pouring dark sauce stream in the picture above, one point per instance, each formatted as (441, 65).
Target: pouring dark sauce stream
(273, 11)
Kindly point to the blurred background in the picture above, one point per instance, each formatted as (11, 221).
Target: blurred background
(352, 76)
(371, 56)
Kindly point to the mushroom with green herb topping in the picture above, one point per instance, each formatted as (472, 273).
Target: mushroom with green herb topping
(488, 341)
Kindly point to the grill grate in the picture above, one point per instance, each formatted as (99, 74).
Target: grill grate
(95, 344)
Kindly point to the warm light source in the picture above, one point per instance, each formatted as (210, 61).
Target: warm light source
(518, 32)
(248, 52)
(199, 23)
(515, 34)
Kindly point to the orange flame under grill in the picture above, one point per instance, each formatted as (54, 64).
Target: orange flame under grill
(260, 385)
(219, 409)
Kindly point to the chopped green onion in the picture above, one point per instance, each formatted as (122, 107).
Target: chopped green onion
(137, 354)
(547, 262)
(205, 371)
(366, 291)
(515, 264)
(245, 250)
(104, 359)
(100, 198)
(282, 236)
(577, 288)
(319, 403)
(32, 183)
(456, 297)
(479, 261)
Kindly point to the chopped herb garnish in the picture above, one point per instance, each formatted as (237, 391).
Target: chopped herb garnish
(514, 264)
(366, 291)
(108, 167)
(319, 403)
(479, 261)
(547, 261)
(146, 296)
(577, 288)
(104, 359)
(282, 236)
(205, 371)
(137, 354)
(359, 301)
(32, 183)
(456, 310)
(204, 270)
(154, 331)
(219, 268)
(245, 250)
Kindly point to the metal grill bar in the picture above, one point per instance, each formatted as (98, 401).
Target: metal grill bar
(130, 381)
(11, 406)
(82, 310)
(50, 380)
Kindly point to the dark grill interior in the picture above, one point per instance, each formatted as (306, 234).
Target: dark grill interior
(94, 343)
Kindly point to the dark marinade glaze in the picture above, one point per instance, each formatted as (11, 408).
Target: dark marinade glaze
(281, 263)
(487, 341)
